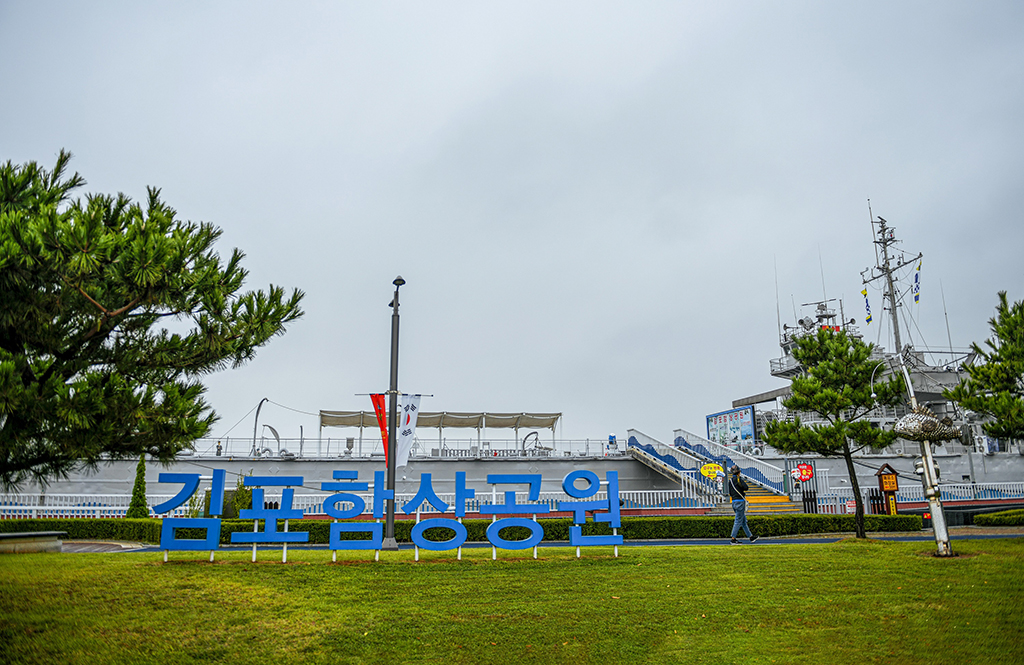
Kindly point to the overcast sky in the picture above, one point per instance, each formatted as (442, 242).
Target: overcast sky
(589, 202)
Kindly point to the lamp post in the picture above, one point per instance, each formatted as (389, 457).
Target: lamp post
(389, 533)
(255, 422)
(877, 367)
(929, 481)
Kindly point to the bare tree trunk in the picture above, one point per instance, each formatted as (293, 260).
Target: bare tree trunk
(858, 517)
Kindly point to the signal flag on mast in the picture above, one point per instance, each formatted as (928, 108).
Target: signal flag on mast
(917, 283)
(867, 305)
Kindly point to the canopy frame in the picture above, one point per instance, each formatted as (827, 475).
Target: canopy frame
(478, 420)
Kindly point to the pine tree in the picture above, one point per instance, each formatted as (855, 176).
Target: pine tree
(996, 386)
(836, 385)
(139, 507)
(242, 499)
(88, 369)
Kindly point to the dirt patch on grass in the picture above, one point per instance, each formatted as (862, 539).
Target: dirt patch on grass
(956, 555)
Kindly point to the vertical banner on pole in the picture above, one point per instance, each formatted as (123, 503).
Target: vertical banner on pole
(407, 428)
(382, 421)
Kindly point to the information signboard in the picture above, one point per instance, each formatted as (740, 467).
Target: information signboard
(733, 428)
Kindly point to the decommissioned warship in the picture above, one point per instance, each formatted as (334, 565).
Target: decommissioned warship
(973, 458)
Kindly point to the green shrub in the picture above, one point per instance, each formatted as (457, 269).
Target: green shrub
(633, 528)
(144, 530)
(1004, 518)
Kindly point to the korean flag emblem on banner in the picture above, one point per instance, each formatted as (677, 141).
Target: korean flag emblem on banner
(410, 408)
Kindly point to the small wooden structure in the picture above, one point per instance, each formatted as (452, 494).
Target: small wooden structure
(888, 485)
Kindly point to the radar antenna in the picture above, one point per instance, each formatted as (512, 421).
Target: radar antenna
(885, 269)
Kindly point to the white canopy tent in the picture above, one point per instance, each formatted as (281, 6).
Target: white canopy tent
(449, 419)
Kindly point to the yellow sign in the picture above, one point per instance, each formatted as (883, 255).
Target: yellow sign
(889, 483)
(712, 470)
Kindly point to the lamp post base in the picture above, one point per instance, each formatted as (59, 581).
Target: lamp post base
(942, 545)
(389, 544)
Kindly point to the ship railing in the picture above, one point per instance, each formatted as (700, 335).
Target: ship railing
(368, 447)
(783, 365)
(762, 473)
(788, 365)
(879, 413)
(69, 506)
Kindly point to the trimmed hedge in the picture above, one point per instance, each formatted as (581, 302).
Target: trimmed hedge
(1004, 518)
(142, 531)
(633, 528)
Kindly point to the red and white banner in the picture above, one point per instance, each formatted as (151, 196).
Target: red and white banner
(382, 420)
(410, 409)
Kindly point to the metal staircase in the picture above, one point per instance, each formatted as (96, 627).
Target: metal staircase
(755, 471)
(761, 502)
(677, 465)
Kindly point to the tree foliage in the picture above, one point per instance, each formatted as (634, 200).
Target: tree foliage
(836, 384)
(110, 313)
(996, 386)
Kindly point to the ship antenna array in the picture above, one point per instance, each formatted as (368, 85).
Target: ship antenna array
(778, 311)
(871, 218)
(884, 269)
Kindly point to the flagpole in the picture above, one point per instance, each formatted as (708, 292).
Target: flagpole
(389, 534)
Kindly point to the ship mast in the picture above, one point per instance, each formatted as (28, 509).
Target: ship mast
(885, 269)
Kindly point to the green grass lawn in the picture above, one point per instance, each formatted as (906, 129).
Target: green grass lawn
(850, 602)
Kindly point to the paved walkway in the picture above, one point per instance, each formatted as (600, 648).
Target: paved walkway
(926, 535)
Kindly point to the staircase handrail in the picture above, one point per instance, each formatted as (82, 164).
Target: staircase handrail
(688, 465)
(753, 469)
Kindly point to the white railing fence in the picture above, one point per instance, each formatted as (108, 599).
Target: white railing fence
(835, 501)
(31, 506)
(25, 506)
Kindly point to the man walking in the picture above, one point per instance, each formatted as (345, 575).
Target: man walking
(738, 493)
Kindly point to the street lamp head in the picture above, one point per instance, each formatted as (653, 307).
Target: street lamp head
(877, 367)
(398, 281)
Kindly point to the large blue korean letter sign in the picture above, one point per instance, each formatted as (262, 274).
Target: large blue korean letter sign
(511, 507)
(259, 511)
(375, 529)
(427, 493)
(609, 505)
(190, 483)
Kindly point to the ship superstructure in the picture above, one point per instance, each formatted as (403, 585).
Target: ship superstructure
(896, 278)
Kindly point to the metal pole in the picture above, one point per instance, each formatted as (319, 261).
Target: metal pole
(890, 290)
(389, 532)
(928, 480)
